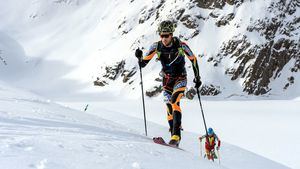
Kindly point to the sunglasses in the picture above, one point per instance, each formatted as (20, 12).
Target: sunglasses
(165, 35)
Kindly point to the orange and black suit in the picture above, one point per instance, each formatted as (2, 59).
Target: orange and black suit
(174, 76)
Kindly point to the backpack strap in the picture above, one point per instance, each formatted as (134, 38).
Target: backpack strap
(177, 44)
(158, 50)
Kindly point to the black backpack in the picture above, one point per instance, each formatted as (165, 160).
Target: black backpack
(176, 42)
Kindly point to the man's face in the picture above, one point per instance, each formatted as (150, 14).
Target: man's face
(166, 38)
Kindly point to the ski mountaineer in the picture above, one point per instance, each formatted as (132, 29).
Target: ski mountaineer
(210, 144)
(171, 53)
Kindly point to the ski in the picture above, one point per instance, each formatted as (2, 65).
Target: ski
(161, 141)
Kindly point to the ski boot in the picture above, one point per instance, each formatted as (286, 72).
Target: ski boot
(175, 139)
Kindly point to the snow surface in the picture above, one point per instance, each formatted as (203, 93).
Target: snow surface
(260, 126)
(38, 133)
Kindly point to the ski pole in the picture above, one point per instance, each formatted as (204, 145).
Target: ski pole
(142, 87)
(198, 93)
(201, 148)
(219, 156)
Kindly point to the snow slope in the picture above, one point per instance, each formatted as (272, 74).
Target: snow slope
(41, 134)
(261, 126)
(38, 133)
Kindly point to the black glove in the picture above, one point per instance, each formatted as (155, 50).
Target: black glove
(138, 53)
(197, 82)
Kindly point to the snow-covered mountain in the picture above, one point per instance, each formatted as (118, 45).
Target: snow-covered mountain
(239, 50)
(243, 46)
(83, 50)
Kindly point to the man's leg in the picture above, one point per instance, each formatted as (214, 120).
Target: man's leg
(168, 95)
(207, 150)
(177, 94)
(210, 151)
(167, 91)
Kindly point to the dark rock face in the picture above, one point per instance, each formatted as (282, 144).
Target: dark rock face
(99, 82)
(114, 72)
(179, 14)
(210, 90)
(225, 20)
(189, 21)
(155, 91)
(259, 64)
(290, 82)
(146, 14)
(2, 59)
(205, 90)
(211, 4)
(127, 74)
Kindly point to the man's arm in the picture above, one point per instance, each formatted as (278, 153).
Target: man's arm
(219, 141)
(202, 137)
(149, 55)
(188, 52)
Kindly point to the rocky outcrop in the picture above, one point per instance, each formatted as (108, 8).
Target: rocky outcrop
(2, 59)
(260, 64)
(253, 62)
(127, 74)
(212, 4)
(114, 72)
(146, 13)
(156, 90)
(99, 82)
(210, 90)
(225, 20)
(205, 90)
